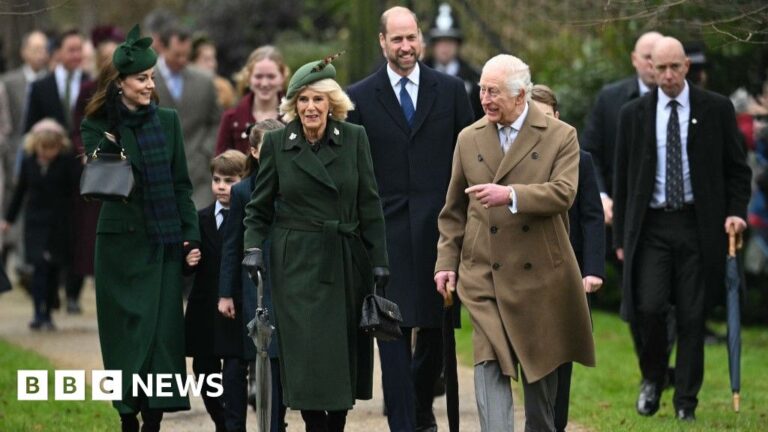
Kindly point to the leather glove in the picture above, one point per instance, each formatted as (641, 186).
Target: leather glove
(380, 277)
(253, 262)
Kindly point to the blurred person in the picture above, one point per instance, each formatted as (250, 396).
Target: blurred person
(34, 55)
(503, 245)
(587, 235)
(237, 293)
(315, 196)
(204, 57)
(156, 23)
(46, 180)
(697, 72)
(210, 336)
(55, 95)
(674, 205)
(262, 82)
(445, 39)
(141, 242)
(192, 94)
(412, 115)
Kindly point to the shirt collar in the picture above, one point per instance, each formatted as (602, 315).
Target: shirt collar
(61, 73)
(218, 208)
(683, 98)
(517, 124)
(641, 87)
(394, 78)
(31, 75)
(164, 70)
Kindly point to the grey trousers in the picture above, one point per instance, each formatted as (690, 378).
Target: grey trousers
(494, 400)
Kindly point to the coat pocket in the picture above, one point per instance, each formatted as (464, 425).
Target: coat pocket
(553, 242)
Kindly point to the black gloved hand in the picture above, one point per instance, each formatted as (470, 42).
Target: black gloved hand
(253, 262)
(380, 277)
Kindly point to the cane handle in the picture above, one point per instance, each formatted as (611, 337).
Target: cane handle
(736, 402)
(731, 242)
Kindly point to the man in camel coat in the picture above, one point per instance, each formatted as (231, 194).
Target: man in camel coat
(504, 240)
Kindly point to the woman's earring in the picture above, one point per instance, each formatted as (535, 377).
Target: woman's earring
(119, 91)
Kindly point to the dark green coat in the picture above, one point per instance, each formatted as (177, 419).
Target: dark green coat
(138, 298)
(327, 233)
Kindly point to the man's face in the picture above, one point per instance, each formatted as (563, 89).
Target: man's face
(445, 50)
(71, 52)
(498, 104)
(35, 52)
(671, 66)
(402, 43)
(641, 59)
(176, 54)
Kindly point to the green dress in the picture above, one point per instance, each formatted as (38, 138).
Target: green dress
(327, 233)
(139, 286)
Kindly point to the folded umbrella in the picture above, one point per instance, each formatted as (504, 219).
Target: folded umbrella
(733, 287)
(260, 330)
(449, 363)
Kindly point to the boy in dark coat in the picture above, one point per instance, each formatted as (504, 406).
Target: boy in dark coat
(210, 337)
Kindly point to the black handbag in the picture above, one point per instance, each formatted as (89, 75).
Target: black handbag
(381, 317)
(107, 176)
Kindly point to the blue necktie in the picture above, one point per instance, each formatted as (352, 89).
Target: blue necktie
(405, 102)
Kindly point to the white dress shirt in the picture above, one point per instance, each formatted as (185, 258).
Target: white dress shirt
(516, 125)
(412, 87)
(219, 216)
(663, 111)
(174, 81)
(74, 84)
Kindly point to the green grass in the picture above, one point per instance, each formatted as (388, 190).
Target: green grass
(603, 398)
(50, 415)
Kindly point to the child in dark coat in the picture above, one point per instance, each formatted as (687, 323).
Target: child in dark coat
(45, 185)
(210, 337)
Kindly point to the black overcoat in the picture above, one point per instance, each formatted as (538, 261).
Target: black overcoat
(720, 180)
(586, 220)
(413, 168)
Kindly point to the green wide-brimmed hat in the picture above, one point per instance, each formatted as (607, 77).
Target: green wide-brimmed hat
(312, 72)
(135, 54)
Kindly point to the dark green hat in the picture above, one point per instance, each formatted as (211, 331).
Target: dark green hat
(135, 54)
(312, 72)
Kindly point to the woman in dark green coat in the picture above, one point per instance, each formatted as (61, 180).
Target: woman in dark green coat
(316, 196)
(139, 243)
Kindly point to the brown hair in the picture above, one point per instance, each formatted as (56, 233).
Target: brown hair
(545, 95)
(269, 52)
(107, 93)
(229, 163)
(256, 137)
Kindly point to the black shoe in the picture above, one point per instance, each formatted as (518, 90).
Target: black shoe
(648, 399)
(686, 415)
(36, 324)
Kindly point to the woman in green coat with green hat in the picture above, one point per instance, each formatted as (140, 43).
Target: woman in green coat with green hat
(140, 242)
(316, 197)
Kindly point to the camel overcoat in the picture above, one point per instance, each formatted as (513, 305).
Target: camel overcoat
(517, 274)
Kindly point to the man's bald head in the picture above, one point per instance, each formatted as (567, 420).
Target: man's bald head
(671, 65)
(641, 57)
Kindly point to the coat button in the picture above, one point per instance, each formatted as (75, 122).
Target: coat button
(494, 230)
(526, 228)
(534, 156)
(527, 266)
(496, 266)
(480, 158)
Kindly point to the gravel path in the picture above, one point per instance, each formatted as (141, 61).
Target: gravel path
(75, 345)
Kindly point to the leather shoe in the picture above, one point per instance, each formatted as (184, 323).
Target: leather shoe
(648, 399)
(686, 415)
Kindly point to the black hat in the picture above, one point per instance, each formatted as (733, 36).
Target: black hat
(445, 25)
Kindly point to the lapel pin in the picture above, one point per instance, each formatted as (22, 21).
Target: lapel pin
(694, 121)
(292, 136)
(335, 131)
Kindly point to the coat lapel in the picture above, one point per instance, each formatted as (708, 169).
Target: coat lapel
(427, 95)
(386, 96)
(488, 146)
(305, 159)
(208, 224)
(528, 137)
(161, 88)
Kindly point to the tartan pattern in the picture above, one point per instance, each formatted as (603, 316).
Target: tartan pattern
(160, 209)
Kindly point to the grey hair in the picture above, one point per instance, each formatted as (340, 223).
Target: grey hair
(517, 72)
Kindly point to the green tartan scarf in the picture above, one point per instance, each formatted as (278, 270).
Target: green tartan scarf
(160, 210)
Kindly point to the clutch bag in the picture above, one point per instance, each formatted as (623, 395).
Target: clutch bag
(381, 317)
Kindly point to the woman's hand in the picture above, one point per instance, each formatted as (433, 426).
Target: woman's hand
(227, 307)
(4, 226)
(193, 257)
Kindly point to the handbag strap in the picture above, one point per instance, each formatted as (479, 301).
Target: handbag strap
(382, 291)
(111, 138)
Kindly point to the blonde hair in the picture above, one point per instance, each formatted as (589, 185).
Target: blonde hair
(229, 163)
(266, 52)
(339, 102)
(46, 132)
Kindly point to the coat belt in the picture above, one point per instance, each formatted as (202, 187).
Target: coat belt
(334, 232)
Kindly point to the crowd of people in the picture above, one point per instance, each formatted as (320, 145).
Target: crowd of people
(427, 177)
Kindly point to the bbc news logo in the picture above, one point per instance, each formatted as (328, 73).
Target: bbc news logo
(107, 385)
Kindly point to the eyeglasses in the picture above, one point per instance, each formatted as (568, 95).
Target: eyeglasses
(492, 92)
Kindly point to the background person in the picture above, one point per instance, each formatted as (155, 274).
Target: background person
(316, 194)
(139, 243)
(262, 82)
